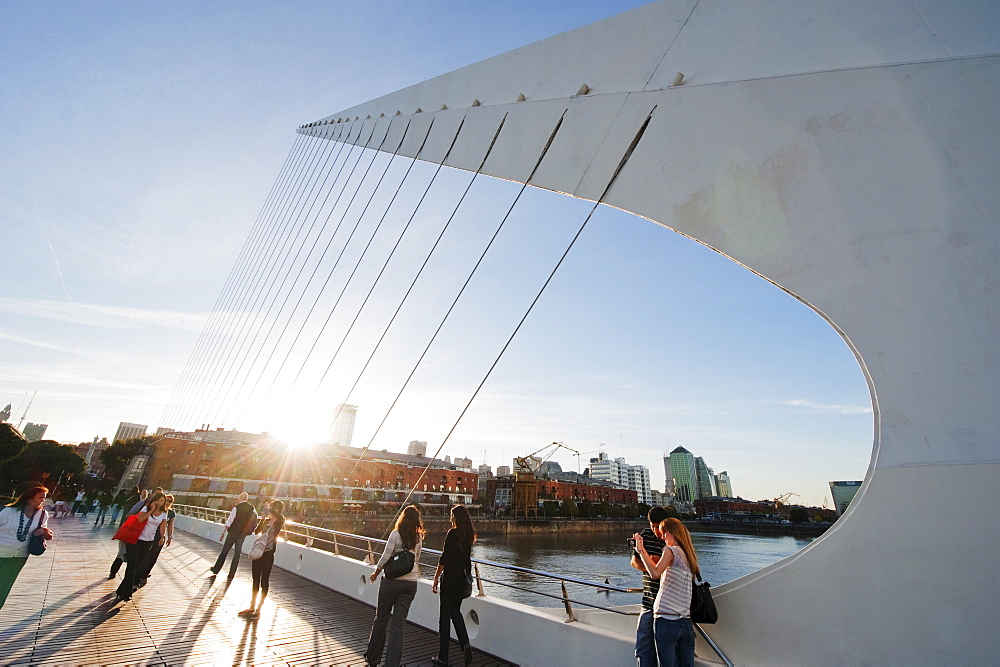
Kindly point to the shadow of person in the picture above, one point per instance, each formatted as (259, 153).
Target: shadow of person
(246, 649)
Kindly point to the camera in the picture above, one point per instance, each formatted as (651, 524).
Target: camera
(631, 542)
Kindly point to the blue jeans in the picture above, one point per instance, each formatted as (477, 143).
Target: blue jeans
(674, 642)
(645, 646)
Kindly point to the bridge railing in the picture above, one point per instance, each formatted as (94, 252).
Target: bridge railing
(369, 549)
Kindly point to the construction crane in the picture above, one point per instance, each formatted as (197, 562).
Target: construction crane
(782, 499)
(525, 480)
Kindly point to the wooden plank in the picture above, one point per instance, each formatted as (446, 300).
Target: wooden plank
(61, 612)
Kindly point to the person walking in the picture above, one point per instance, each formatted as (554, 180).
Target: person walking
(241, 522)
(103, 505)
(135, 501)
(673, 631)
(270, 526)
(164, 536)
(395, 595)
(153, 515)
(454, 570)
(117, 505)
(645, 646)
(19, 520)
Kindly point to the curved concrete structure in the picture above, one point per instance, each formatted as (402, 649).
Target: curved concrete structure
(848, 153)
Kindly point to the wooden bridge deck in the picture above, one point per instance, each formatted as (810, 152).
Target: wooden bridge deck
(61, 611)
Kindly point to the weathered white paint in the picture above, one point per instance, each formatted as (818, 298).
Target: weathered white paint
(848, 153)
(516, 632)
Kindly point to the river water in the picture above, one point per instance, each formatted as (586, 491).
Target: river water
(723, 557)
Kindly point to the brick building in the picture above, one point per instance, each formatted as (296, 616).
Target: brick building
(208, 468)
(499, 491)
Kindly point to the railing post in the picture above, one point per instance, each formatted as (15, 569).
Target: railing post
(479, 583)
(336, 546)
(569, 608)
(309, 539)
(370, 558)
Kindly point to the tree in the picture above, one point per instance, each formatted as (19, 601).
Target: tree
(586, 509)
(643, 509)
(45, 459)
(672, 512)
(116, 457)
(569, 508)
(798, 515)
(550, 508)
(12, 443)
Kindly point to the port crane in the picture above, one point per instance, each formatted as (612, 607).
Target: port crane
(782, 499)
(525, 478)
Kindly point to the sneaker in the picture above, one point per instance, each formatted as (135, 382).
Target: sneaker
(246, 612)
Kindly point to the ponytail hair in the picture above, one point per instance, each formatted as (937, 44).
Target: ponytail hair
(683, 537)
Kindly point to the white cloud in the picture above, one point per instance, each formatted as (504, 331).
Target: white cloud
(96, 315)
(835, 408)
(36, 343)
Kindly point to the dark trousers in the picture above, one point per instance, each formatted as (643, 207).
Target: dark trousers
(154, 553)
(101, 513)
(645, 645)
(260, 569)
(394, 599)
(137, 555)
(451, 612)
(232, 540)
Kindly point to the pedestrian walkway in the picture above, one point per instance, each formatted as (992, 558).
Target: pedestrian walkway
(61, 611)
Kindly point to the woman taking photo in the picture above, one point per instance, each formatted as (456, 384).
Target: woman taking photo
(456, 566)
(396, 595)
(270, 526)
(138, 554)
(673, 632)
(18, 521)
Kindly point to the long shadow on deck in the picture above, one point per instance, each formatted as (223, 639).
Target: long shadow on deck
(61, 611)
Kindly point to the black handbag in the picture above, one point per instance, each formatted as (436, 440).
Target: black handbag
(36, 543)
(467, 587)
(702, 605)
(399, 564)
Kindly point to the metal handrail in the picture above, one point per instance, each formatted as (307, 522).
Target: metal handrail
(315, 534)
(312, 535)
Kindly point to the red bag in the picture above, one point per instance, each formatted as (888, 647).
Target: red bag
(130, 530)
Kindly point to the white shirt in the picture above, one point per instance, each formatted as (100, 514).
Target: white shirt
(394, 544)
(10, 547)
(148, 533)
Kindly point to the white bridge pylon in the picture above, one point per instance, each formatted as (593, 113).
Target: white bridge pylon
(847, 152)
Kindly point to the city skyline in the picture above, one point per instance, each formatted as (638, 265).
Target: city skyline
(136, 167)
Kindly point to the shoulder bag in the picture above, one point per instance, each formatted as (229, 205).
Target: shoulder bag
(702, 605)
(36, 543)
(258, 546)
(399, 564)
(130, 530)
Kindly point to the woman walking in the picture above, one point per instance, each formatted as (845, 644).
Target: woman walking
(153, 515)
(164, 536)
(19, 520)
(673, 632)
(454, 569)
(260, 569)
(396, 595)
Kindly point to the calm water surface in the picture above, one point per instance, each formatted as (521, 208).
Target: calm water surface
(596, 557)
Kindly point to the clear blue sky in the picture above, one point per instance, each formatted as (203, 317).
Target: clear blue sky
(138, 143)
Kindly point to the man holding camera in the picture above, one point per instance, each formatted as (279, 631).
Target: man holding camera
(645, 647)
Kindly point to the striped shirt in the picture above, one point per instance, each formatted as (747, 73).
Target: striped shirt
(673, 600)
(650, 586)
